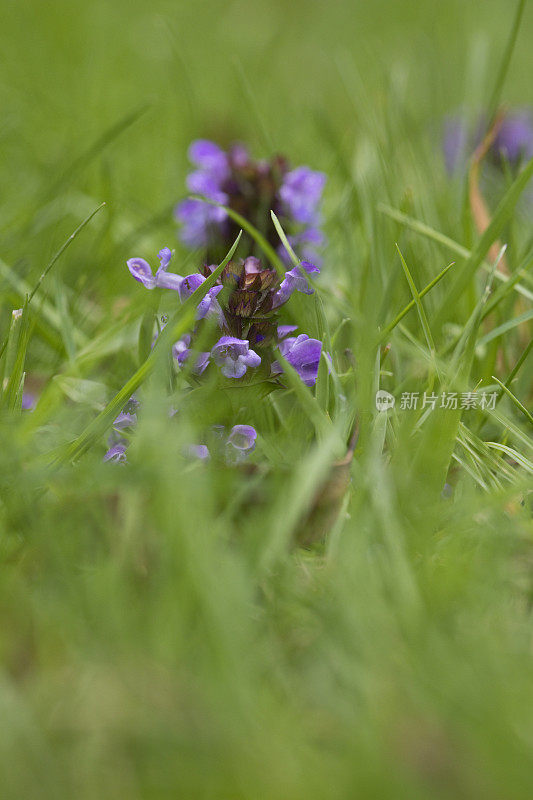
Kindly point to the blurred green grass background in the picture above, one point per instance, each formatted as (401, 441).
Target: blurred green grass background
(158, 636)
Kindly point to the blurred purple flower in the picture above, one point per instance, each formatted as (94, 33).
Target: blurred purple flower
(117, 453)
(234, 356)
(28, 401)
(301, 192)
(514, 140)
(233, 178)
(200, 451)
(182, 350)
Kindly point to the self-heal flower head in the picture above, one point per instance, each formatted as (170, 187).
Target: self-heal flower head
(303, 354)
(250, 187)
(234, 356)
(142, 272)
(301, 192)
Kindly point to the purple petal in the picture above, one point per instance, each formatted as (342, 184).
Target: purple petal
(168, 280)
(231, 368)
(251, 359)
(303, 354)
(190, 284)
(142, 272)
(284, 330)
(164, 256)
(203, 183)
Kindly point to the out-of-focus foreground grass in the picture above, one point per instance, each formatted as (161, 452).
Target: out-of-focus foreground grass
(160, 636)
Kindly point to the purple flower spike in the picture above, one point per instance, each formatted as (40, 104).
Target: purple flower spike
(234, 356)
(301, 192)
(117, 453)
(303, 354)
(142, 272)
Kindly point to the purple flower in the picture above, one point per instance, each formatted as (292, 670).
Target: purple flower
(240, 443)
(207, 304)
(514, 139)
(28, 401)
(234, 356)
(243, 438)
(128, 416)
(295, 280)
(117, 453)
(182, 350)
(301, 191)
(142, 272)
(303, 354)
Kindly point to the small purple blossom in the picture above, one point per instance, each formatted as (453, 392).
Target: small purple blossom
(128, 416)
(142, 272)
(295, 280)
(234, 356)
(240, 443)
(208, 303)
(303, 354)
(243, 438)
(182, 350)
(117, 453)
(301, 192)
